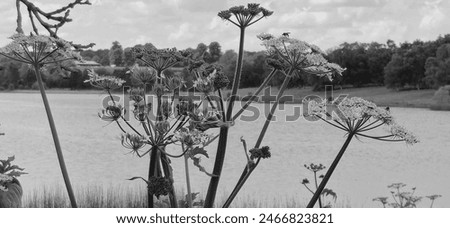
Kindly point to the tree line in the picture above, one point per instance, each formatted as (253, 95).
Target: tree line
(415, 65)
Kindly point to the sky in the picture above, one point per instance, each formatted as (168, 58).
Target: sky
(185, 23)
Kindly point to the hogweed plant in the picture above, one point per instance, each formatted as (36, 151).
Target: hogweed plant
(357, 117)
(291, 57)
(188, 126)
(403, 198)
(42, 51)
(184, 127)
(242, 17)
(315, 169)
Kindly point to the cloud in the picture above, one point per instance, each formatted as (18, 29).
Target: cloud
(181, 23)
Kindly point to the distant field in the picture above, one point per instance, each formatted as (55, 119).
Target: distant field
(380, 95)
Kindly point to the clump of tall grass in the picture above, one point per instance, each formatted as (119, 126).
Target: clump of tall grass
(128, 197)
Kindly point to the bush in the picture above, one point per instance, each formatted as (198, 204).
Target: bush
(35, 86)
(11, 87)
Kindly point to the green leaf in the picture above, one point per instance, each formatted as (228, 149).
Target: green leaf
(329, 192)
(134, 178)
(198, 150)
(15, 173)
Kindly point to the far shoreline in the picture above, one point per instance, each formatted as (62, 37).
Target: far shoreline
(380, 95)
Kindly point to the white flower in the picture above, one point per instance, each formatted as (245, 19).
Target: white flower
(399, 132)
(300, 55)
(104, 82)
(192, 137)
(45, 49)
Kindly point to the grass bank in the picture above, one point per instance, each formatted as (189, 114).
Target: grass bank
(123, 197)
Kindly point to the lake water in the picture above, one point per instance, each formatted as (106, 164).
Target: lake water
(94, 155)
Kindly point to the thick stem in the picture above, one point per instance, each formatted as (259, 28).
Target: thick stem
(152, 173)
(252, 98)
(59, 153)
(330, 171)
(237, 75)
(188, 179)
(222, 144)
(217, 170)
(246, 173)
(168, 174)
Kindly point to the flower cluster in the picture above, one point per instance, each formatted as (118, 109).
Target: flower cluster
(358, 115)
(245, 16)
(314, 168)
(142, 75)
(133, 142)
(159, 59)
(107, 83)
(111, 113)
(173, 83)
(39, 49)
(401, 133)
(192, 137)
(203, 120)
(351, 109)
(186, 107)
(285, 52)
(159, 186)
(210, 78)
(257, 153)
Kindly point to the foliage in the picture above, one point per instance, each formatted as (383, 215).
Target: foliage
(324, 201)
(8, 173)
(403, 198)
(116, 54)
(437, 69)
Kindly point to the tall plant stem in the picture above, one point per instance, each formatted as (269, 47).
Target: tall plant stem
(247, 172)
(168, 174)
(59, 153)
(257, 92)
(151, 173)
(315, 181)
(188, 179)
(330, 171)
(222, 144)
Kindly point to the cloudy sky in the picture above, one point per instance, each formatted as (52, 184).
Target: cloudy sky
(185, 23)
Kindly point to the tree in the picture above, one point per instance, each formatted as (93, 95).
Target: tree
(215, 52)
(116, 54)
(437, 69)
(129, 59)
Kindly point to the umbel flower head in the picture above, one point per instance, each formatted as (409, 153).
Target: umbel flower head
(104, 82)
(210, 77)
(142, 75)
(39, 50)
(314, 168)
(133, 142)
(263, 152)
(159, 59)
(245, 16)
(192, 137)
(358, 116)
(111, 113)
(173, 83)
(290, 53)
